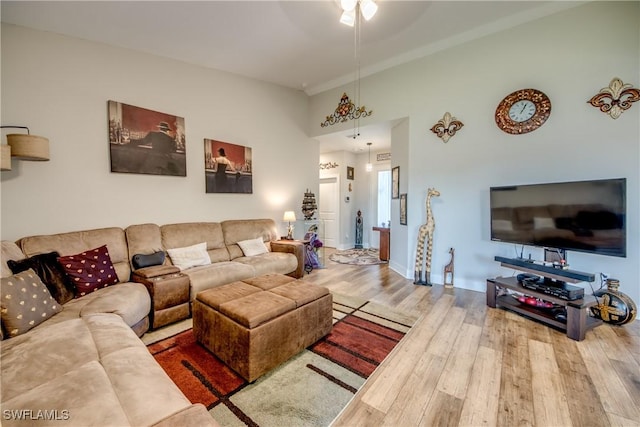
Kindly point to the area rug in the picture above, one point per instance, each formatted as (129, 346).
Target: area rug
(357, 257)
(308, 390)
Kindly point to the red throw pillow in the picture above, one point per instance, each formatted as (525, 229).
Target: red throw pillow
(90, 270)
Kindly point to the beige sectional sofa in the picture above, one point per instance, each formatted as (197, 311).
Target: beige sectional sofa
(86, 365)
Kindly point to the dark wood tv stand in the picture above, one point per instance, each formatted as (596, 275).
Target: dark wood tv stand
(578, 320)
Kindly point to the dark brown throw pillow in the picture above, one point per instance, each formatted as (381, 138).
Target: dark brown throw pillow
(50, 272)
(90, 270)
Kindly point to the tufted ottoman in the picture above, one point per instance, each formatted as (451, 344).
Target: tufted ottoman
(256, 324)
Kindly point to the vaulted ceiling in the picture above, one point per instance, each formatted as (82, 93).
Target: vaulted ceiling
(297, 44)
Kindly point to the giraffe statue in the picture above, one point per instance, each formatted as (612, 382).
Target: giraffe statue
(426, 231)
(448, 270)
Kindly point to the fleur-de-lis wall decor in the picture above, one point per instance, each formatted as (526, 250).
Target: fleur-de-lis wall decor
(446, 127)
(616, 98)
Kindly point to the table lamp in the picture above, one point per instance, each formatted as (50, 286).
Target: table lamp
(289, 216)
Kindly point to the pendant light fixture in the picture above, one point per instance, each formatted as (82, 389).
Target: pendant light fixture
(347, 109)
(350, 8)
(369, 166)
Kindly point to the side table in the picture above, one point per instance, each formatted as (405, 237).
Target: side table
(384, 242)
(169, 292)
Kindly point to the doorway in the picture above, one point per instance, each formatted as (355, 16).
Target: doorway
(328, 210)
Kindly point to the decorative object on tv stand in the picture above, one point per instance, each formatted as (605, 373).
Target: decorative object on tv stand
(448, 271)
(523, 111)
(426, 231)
(616, 98)
(309, 205)
(446, 127)
(23, 147)
(289, 216)
(614, 307)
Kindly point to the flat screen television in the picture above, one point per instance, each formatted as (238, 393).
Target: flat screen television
(585, 216)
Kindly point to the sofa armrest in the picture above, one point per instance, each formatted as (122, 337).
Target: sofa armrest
(294, 247)
(155, 271)
(195, 415)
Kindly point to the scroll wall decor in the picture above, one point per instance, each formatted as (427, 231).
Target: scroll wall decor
(329, 165)
(446, 127)
(616, 98)
(346, 110)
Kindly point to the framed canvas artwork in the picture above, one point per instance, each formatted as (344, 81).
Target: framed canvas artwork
(146, 141)
(228, 167)
(350, 172)
(395, 182)
(403, 209)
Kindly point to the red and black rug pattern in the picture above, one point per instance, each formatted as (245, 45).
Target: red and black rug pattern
(356, 344)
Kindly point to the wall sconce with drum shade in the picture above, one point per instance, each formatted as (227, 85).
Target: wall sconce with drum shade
(289, 216)
(23, 147)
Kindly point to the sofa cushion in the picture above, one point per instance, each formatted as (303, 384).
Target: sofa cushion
(253, 247)
(90, 270)
(95, 368)
(237, 230)
(190, 256)
(190, 233)
(82, 397)
(271, 262)
(50, 272)
(128, 300)
(40, 355)
(217, 274)
(9, 251)
(143, 239)
(79, 241)
(25, 302)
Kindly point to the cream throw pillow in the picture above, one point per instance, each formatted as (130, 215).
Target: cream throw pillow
(539, 223)
(253, 247)
(190, 256)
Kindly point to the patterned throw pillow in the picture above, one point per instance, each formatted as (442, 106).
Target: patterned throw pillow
(50, 272)
(90, 270)
(25, 302)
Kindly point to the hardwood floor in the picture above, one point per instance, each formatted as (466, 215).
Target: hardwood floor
(464, 364)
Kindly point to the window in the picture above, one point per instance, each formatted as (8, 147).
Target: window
(384, 197)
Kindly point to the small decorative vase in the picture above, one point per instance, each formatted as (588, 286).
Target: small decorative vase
(614, 307)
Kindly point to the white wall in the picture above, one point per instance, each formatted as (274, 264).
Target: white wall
(569, 56)
(59, 87)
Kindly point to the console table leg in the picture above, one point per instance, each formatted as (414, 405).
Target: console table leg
(576, 323)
